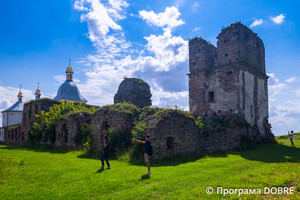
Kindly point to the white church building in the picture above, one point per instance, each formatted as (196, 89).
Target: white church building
(12, 115)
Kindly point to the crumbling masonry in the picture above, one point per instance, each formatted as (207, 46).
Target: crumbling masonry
(230, 79)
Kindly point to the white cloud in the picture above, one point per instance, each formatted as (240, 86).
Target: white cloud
(168, 50)
(273, 79)
(278, 19)
(284, 116)
(284, 106)
(196, 29)
(168, 19)
(275, 87)
(256, 22)
(291, 79)
(168, 99)
(196, 4)
(179, 3)
(297, 92)
(99, 17)
(118, 4)
(61, 78)
(78, 5)
(162, 63)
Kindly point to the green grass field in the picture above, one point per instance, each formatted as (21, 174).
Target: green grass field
(28, 173)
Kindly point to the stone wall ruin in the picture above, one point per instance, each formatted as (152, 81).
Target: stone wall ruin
(230, 79)
(134, 91)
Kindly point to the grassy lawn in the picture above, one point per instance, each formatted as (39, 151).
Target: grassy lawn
(27, 173)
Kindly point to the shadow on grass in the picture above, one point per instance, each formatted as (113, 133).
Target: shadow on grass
(174, 161)
(271, 153)
(99, 171)
(95, 156)
(40, 148)
(144, 177)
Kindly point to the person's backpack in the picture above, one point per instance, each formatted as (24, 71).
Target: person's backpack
(150, 153)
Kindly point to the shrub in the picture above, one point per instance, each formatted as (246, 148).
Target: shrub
(50, 133)
(200, 124)
(120, 141)
(56, 112)
(35, 133)
(84, 138)
(138, 132)
(124, 107)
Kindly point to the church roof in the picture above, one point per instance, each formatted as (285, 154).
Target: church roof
(68, 90)
(17, 107)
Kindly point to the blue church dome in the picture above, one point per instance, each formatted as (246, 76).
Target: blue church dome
(68, 90)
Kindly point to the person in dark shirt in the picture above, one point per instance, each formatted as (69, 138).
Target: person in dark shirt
(105, 153)
(146, 151)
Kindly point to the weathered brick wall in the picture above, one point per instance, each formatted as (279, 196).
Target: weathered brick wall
(202, 55)
(237, 43)
(67, 129)
(225, 140)
(30, 110)
(174, 135)
(105, 118)
(202, 58)
(12, 135)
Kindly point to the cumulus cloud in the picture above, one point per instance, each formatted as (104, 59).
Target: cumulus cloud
(103, 30)
(168, 99)
(168, 50)
(284, 116)
(291, 79)
(118, 4)
(275, 86)
(256, 22)
(162, 62)
(284, 106)
(167, 19)
(100, 18)
(278, 19)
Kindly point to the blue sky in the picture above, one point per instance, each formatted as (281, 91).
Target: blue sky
(107, 40)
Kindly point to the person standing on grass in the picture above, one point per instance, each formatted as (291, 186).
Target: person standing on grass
(147, 150)
(105, 153)
(292, 138)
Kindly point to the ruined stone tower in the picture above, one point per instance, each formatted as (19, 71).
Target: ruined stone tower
(230, 79)
(134, 91)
